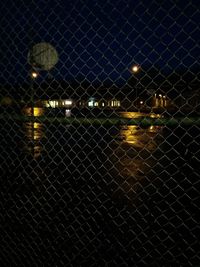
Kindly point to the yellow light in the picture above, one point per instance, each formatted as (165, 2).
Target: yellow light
(36, 125)
(160, 95)
(141, 102)
(34, 74)
(153, 115)
(37, 111)
(135, 68)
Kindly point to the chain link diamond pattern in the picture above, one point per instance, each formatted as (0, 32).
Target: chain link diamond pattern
(99, 156)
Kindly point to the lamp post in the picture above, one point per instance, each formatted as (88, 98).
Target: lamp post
(135, 70)
(33, 75)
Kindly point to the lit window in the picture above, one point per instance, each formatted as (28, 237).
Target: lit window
(37, 111)
(52, 104)
(90, 103)
(68, 102)
(46, 104)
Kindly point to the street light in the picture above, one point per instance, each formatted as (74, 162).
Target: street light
(34, 74)
(135, 70)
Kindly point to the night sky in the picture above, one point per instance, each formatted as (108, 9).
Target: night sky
(100, 40)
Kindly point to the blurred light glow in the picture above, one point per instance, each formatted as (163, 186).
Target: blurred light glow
(135, 68)
(114, 103)
(37, 111)
(91, 102)
(52, 104)
(68, 102)
(67, 112)
(34, 74)
(153, 115)
(33, 111)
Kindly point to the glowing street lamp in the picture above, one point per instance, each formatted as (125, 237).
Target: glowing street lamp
(135, 68)
(34, 74)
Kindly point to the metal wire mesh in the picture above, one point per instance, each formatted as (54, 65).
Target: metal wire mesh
(99, 133)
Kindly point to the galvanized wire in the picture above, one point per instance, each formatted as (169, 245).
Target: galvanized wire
(100, 153)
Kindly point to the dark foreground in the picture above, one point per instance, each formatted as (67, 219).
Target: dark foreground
(97, 196)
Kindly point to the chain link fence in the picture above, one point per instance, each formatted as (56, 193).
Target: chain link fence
(100, 133)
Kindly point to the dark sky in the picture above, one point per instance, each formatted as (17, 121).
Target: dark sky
(100, 40)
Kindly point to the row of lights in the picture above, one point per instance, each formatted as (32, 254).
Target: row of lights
(160, 95)
(90, 103)
(34, 74)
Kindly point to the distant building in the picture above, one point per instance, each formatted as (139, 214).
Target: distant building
(160, 101)
(58, 103)
(114, 103)
(92, 102)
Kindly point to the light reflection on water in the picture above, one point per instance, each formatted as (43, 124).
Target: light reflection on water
(132, 142)
(134, 115)
(35, 111)
(34, 132)
(134, 149)
(140, 137)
